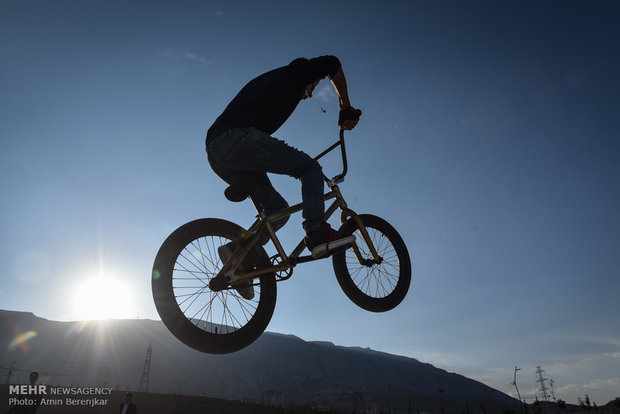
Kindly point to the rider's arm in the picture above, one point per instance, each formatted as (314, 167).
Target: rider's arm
(346, 110)
(312, 70)
(340, 85)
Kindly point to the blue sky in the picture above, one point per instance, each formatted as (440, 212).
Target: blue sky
(489, 140)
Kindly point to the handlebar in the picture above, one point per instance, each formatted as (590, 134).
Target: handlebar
(340, 177)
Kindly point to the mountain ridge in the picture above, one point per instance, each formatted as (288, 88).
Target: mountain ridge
(315, 373)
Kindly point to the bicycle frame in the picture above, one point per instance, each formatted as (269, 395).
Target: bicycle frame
(287, 262)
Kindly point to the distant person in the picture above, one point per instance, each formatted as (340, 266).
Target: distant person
(241, 150)
(29, 409)
(128, 407)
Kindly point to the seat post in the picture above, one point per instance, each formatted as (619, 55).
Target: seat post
(256, 206)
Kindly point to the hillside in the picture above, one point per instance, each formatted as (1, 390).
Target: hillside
(279, 367)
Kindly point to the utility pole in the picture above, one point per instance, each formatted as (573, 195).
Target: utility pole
(543, 388)
(552, 391)
(8, 376)
(387, 398)
(514, 382)
(144, 380)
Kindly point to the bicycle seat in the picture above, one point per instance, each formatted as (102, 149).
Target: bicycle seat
(237, 193)
(243, 189)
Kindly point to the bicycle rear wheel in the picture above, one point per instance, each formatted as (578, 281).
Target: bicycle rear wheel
(376, 287)
(214, 322)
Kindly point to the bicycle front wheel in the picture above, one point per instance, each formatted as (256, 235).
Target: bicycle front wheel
(214, 322)
(376, 287)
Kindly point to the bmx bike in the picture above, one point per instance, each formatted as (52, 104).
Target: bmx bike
(195, 293)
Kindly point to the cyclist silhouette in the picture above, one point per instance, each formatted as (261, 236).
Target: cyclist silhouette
(241, 150)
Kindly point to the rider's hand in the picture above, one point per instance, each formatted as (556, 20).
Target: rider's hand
(348, 125)
(349, 117)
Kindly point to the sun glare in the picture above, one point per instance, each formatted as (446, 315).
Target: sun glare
(102, 297)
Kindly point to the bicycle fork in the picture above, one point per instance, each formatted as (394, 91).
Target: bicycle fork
(348, 213)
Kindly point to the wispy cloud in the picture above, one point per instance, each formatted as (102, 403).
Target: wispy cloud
(598, 384)
(567, 389)
(197, 58)
(470, 120)
(325, 92)
(185, 58)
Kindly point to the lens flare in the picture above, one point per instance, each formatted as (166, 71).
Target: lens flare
(21, 339)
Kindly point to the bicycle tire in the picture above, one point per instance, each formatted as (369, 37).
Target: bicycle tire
(380, 287)
(189, 256)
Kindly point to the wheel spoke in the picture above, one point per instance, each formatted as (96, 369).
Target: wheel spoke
(220, 312)
(380, 279)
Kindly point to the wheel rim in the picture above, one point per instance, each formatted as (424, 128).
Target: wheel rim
(219, 313)
(379, 280)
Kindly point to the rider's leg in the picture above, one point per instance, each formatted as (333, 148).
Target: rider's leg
(270, 201)
(250, 150)
(238, 152)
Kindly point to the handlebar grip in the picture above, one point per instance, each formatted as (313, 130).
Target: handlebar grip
(349, 114)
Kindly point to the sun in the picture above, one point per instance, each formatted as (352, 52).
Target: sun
(102, 297)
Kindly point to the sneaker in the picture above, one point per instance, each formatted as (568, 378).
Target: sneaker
(246, 290)
(325, 240)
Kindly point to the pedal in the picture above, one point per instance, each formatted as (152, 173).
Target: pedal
(338, 250)
(222, 281)
(331, 252)
(303, 259)
(218, 283)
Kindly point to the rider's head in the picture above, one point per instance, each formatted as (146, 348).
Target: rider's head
(309, 88)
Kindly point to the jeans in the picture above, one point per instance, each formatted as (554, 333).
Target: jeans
(246, 155)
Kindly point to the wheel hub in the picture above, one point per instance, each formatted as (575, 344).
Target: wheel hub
(372, 262)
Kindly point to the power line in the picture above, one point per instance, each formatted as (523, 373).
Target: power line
(12, 370)
(144, 379)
